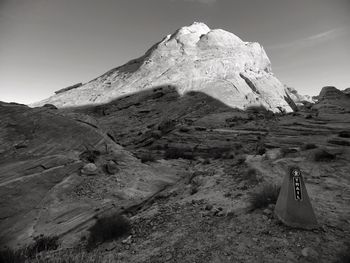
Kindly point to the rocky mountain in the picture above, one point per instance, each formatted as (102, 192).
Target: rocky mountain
(194, 58)
(331, 99)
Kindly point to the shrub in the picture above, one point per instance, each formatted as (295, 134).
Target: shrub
(322, 155)
(90, 155)
(42, 243)
(266, 195)
(261, 150)
(146, 157)
(251, 176)
(108, 228)
(12, 256)
(62, 256)
(240, 159)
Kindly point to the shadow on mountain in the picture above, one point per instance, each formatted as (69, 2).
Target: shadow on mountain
(171, 125)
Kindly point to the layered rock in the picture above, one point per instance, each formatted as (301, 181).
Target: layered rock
(333, 100)
(194, 58)
(298, 98)
(58, 171)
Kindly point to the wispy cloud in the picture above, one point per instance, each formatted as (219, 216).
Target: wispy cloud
(311, 40)
(202, 1)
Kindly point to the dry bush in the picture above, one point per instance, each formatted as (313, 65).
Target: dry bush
(266, 195)
(108, 228)
(90, 155)
(251, 176)
(42, 243)
(146, 157)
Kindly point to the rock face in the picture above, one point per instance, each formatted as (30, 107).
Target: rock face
(194, 58)
(47, 158)
(298, 98)
(333, 100)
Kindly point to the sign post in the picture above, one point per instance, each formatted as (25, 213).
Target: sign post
(293, 205)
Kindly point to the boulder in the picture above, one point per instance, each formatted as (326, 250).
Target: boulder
(89, 169)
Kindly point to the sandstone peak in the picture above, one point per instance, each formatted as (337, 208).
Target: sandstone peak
(193, 58)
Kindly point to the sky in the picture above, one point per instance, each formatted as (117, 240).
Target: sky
(46, 45)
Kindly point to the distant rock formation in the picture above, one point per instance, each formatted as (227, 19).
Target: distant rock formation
(194, 58)
(333, 100)
(346, 91)
(298, 98)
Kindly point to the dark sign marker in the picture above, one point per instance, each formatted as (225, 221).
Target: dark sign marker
(296, 174)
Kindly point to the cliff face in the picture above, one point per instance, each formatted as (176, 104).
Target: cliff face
(194, 58)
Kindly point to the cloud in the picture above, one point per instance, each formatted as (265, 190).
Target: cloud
(202, 1)
(311, 40)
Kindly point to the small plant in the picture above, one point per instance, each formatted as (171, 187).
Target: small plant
(266, 195)
(12, 256)
(90, 155)
(146, 157)
(251, 176)
(108, 228)
(322, 155)
(42, 243)
(260, 150)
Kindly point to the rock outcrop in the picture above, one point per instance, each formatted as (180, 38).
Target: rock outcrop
(58, 171)
(332, 100)
(298, 98)
(194, 58)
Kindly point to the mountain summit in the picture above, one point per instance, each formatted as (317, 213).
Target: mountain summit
(193, 58)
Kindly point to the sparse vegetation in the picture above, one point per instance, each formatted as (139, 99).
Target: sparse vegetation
(42, 243)
(266, 195)
(63, 256)
(146, 157)
(90, 155)
(107, 228)
(321, 155)
(251, 176)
